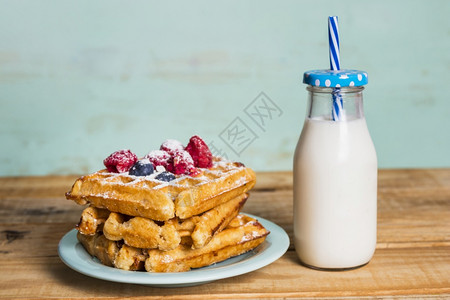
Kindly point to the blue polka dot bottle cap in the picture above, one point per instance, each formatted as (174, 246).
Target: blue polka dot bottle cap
(340, 78)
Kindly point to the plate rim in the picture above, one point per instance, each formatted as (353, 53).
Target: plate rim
(276, 243)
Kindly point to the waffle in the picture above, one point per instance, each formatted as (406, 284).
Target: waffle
(242, 234)
(113, 254)
(140, 232)
(147, 197)
(92, 220)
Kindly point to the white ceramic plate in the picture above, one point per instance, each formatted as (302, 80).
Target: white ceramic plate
(73, 254)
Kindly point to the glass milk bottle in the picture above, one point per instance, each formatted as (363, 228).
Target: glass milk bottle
(335, 175)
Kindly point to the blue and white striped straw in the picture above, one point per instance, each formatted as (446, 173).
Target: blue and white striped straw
(335, 64)
(333, 38)
(337, 105)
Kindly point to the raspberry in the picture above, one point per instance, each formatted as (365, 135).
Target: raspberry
(120, 161)
(200, 152)
(161, 158)
(171, 146)
(195, 172)
(183, 163)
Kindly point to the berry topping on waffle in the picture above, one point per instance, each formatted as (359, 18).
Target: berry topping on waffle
(175, 209)
(172, 157)
(142, 168)
(171, 146)
(165, 176)
(199, 152)
(161, 158)
(183, 163)
(120, 161)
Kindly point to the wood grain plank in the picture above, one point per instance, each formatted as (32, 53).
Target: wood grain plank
(35, 186)
(414, 208)
(31, 240)
(414, 211)
(411, 272)
(412, 257)
(55, 186)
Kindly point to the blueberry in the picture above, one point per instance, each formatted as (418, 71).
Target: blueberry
(142, 168)
(165, 176)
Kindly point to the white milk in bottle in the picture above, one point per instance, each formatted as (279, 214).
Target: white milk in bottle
(335, 175)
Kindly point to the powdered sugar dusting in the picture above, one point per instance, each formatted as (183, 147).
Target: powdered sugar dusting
(156, 154)
(219, 168)
(145, 161)
(182, 162)
(160, 169)
(185, 156)
(160, 158)
(250, 237)
(171, 146)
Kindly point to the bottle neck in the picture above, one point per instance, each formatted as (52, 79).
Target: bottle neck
(335, 104)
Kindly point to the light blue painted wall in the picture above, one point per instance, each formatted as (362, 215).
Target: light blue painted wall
(81, 79)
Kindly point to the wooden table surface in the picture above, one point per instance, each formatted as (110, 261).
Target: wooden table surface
(412, 258)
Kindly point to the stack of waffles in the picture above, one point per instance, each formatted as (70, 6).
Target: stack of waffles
(166, 221)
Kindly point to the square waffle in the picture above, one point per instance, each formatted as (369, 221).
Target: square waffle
(145, 196)
(242, 234)
(141, 232)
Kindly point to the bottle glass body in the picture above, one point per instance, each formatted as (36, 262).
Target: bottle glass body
(335, 183)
